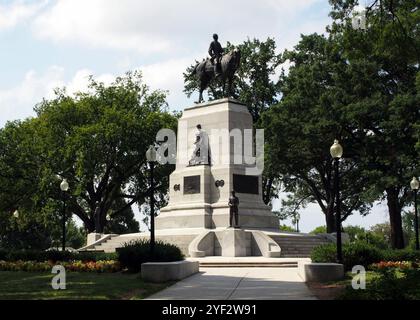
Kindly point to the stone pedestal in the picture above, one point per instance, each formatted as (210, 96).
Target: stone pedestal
(93, 237)
(195, 199)
(234, 243)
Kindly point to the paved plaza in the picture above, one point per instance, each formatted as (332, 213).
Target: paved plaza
(239, 284)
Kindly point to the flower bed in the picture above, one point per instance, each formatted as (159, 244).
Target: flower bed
(402, 265)
(108, 266)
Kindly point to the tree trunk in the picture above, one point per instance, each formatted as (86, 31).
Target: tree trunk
(89, 226)
(99, 228)
(394, 209)
(330, 220)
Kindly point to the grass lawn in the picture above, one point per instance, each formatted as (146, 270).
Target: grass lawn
(396, 285)
(80, 286)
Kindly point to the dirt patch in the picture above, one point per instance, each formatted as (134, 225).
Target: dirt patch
(326, 291)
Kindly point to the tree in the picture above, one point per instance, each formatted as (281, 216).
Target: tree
(97, 140)
(319, 230)
(302, 127)
(384, 113)
(253, 85)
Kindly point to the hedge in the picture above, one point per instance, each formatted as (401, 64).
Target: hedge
(134, 253)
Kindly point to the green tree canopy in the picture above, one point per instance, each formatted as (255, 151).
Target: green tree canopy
(97, 140)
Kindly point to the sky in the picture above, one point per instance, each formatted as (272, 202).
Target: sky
(46, 44)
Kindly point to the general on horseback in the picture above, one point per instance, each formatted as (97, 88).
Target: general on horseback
(220, 65)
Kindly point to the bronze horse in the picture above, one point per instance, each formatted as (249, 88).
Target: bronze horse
(205, 72)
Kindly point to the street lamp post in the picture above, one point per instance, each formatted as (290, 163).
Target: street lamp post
(151, 156)
(337, 153)
(64, 186)
(415, 187)
(296, 221)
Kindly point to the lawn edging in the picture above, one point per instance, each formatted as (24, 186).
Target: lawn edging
(158, 272)
(320, 272)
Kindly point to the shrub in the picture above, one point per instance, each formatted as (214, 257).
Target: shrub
(319, 230)
(54, 256)
(3, 254)
(324, 253)
(287, 228)
(96, 256)
(358, 253)
(75, 266)
(402, 255)
(134, 253)
(388, 284)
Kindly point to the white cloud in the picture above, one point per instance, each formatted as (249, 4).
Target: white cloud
(167, 75)
(18, 102)
(17, 11)
(163, 25)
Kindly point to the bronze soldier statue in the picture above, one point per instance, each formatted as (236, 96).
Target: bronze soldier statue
(219, 66)
(216, 53)
(233, 212)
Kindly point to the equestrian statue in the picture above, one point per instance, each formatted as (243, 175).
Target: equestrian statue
(220, 65)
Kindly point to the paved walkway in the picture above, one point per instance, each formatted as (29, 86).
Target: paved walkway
(239, 284)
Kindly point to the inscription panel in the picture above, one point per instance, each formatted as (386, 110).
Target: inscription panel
(192, 185)
(245, 184)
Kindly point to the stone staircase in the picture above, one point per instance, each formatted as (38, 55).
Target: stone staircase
(114, 242)
(292, 245)
(298, 245)
(249, 264)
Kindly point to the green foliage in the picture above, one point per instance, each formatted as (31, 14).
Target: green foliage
(97, 140)
(388, 284)
(355, 232)
(54, 255)
(358, 86)
(84, 286)
(401, 255)
(353, 254)
(286, 228)
(38, 231)
(133, 254)
(73, 266)
(319, 230)
(362, 253)
(382, 112)
(301, 128)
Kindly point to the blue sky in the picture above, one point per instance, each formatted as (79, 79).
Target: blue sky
(46, 44)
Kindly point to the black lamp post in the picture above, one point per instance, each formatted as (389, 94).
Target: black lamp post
(337, 152)
(64, 186)
(415, 187)
(151, 156)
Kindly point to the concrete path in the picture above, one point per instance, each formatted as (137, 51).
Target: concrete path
(239, 284)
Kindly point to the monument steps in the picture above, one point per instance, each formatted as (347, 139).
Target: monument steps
(249, 264)
(110, 245)
(298, 246)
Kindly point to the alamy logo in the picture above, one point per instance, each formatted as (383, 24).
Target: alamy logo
(359, 278)
(58, 282)
(358, 20)
(218, 146)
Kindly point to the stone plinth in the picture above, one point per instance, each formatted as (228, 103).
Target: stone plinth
(234, 243)
(159, 272)
(320, 272)
(194, 200)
